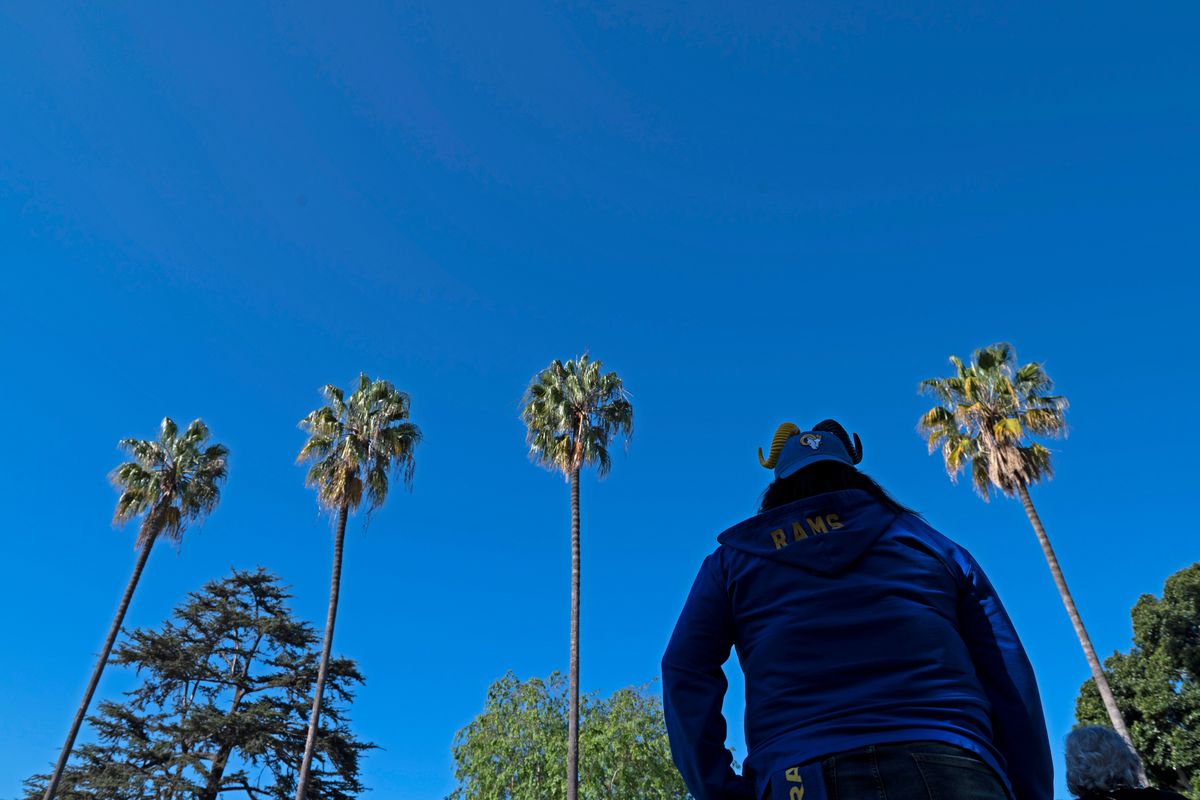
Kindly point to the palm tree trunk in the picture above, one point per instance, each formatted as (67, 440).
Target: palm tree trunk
(334, 588)
(573, 708)
(1106, 695)
(52, 787)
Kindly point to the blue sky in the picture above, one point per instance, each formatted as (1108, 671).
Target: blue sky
(787, 212)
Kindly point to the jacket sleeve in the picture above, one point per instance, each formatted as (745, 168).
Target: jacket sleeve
(694, 687)
(1019, 728)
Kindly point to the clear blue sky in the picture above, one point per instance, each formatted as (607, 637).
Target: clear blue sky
(790, 212)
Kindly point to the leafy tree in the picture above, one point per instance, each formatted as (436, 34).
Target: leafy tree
(221, 708)
(354, 445)
(572, 411)
(170, 483)
(515, 749)
(988, 413)
(1157, 684)
(626, 749)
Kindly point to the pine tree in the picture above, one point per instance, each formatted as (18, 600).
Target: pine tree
(222, 708)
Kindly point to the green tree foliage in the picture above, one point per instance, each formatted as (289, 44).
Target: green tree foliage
(355, 446)
(516, 749)
(572, 411)
(1157, 684)
(221, 709)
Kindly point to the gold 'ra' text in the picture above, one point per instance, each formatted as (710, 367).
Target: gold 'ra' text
(811, 526)
(793, 776)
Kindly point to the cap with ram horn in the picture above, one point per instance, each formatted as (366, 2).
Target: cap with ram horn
(793, 449)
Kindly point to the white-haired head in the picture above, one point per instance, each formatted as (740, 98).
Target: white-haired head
(1099, 760)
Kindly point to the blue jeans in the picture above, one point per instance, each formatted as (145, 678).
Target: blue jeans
(910, 771)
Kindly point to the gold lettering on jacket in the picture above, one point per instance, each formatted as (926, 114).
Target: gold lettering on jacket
(793, 776)
(816, 525)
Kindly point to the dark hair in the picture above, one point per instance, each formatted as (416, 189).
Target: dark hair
(829, 476)
(822, 477)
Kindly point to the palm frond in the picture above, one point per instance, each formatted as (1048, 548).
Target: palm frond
(1044, 421)
(935, 420)
(150, 454)
(357, 443)
(336, 399)
(167, 431)
(957, 452)
(994, 357)
(988, 411)
(172, 482)
(572, 411)
(981, 479)
(1038, 462)
(1008, 429)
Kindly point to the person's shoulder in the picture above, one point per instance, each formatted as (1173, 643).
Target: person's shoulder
(717, 562)
(913, 525)
(915, 531)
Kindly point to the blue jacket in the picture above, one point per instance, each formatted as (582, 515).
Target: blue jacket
(853, 626)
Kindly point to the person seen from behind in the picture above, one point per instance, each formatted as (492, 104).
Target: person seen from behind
(1101, 766)
(879, 662)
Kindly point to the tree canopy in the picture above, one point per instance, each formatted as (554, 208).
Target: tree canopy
(356, 443)
(987, 412)
(172, 481)
(572, 411)
(1157, 684)
(222, 707)
(516, 748)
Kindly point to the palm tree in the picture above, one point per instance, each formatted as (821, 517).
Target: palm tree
(170, 483)
(988, 412)
(572, 411)
(354, 445)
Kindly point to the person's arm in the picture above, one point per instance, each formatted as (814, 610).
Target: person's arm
(694, 687)
(1019, 727)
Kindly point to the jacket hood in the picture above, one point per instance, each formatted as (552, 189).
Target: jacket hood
(825, 533)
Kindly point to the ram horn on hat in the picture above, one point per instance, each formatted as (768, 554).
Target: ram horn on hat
(855, 449)
(784, 432)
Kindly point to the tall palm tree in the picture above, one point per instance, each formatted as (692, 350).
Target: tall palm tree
(170, 483)
(354, 444)
(988, 412)
(572, 411)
